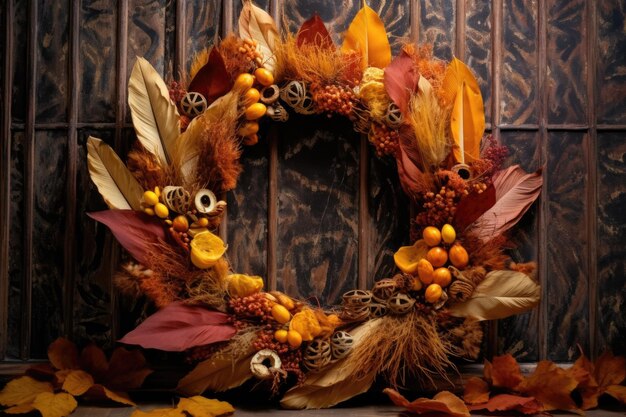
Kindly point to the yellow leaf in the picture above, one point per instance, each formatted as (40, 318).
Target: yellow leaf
(77, 382)
(63, 354)
(19, 409)
(367, 35)
(23, 391)
(255, 23)
(199, 406)
(55, 405)
(467, 121)
(159, 412)
(305, 322)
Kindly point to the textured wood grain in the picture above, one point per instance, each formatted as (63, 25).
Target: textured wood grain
(478, 47)
(318, 203)
(611, 61)
(566, 59)
(437, 26)
(519, 65)
(202, 26)
(611, 256)
(567, 263)
(20, 32)
(97, 62)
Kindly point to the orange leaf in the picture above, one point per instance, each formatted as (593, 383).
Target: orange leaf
(19, 409)
(314, 32)
(94, 361)
(507, 402)
(159, 412)
(59, 376)
(551, 386)
(443, 402)
(610, 370)
(367, 35)
(127, 370)
(506, 372)
(618, 392)
(55, 405)
(63, 354)
(77, 382)
(476, 391)
(488, 372)
(199, 406)
(23, 390)
(101, 393)
(582, 372)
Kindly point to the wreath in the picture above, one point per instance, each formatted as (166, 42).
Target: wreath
(425, 114)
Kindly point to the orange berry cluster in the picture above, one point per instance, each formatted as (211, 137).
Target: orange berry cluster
(478, 187)
(333, 99)
(265, 340)
(249, 51)
(291, 362)
(255, 306)
(439, 208)
(384, 139)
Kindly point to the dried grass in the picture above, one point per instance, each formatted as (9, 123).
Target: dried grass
(429, 122)
(145, 167)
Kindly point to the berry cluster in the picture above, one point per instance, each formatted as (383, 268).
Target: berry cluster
(265, 340)
(249, 51)
(177, 91)
(478, 187)
(438, 208)
(333, 99)
(292, 361)
(255, 306)
(384, 139)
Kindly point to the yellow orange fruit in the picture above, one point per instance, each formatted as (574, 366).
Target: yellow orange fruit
(459, 256)
(180, 224)
(416, 284)
(206, 249)
(294, 339)
(442, 277)
(433, 293)
(150, 198)
(161, 210)
(448, 234)
(242, 285)
(425, 271)
(255, 111)
(148, 211)
(281, 335)
(243, 82)
(280, 314)
(251, 140)
(432, 236)
(407, 257)
(264, 77)
(251, 96)
(248, 128)
(202, 222)
(437, 256)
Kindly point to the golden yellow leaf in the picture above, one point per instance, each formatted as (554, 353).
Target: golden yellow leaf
(367, 35)
(255, 23)
(199, 406)
(19, 409)
(63, 354)
(618, 392)
(23, 390)
(77, 382)
(159, 412)
(305, 322)
(55, 405)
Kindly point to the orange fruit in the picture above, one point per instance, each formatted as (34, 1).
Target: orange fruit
(264, 77)
(437, 256)
(255, 111)
(433, 293)
(280, 314)
(294, 339)
(442, 277)
(150, 198)
(251, 140)
(448, 234)
(407, 257)
(180, 224)
(206, 249)
(251, 96)
(248, 128)
(459, 256)
(416, 284)
(243, 82)
(431, 235)
(425, 271)
(161, 210)
(281, 335)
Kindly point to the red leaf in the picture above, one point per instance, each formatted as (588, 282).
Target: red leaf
(135, 231)
(473, 206)
(505, 372)
(507, 402)
(314, 32)
(401, 78)
(178, 327)
(212, 80)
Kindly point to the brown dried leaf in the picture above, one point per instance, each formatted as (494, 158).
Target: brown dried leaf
(507, 402)
(23, 390)
(610, 370)
(77, 382)
(127, 370)
(476, 391)
(101, 393)
(551, 386)
(582, 372)
(488, 372)
(199, 406)
(55, 405)
(443, 402)
(41, 372)
(159, 412)
(19, 409)
(63, 354)
(506, 372)
(59, 377)
(94, 361)
(618, 392)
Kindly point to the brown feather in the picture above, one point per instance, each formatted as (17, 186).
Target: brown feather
(145, 167)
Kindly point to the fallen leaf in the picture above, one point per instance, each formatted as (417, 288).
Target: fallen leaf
(199, 406)
(213, 80)
(19, 409)
(508, 402)
(77, 382)
(488, 372)
(41, 372)
(314, 32)
(443, 402)
(159, 412)
(582, 372)
(100, 393)
(59, 376)
(63, 354)
(55, 405)
(94, 361)
(618, 392)
(506, 372)
(127, 370)
(23, 390)
(610, 370)
(551, 386)
(476, 391)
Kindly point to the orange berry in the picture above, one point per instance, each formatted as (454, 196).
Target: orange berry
(251, 96)
(248, 128)
(280, 314)
(255, 111)
(459, 256)
(180, 224)
(425, 271)
(251, 140)
(264, 77)
(433, 293)
(294, 339)
(431, 235)
(437, 256)
(243, 82)
(448, 234)
(442, 277)
(281, 335)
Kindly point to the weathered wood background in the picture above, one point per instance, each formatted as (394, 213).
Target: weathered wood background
(553, 77)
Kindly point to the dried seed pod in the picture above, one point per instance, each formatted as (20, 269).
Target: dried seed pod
(358, 297)
(442, 301)
(261, 360)
(270, 94)
(400, 303)
(393, 116)
(293, 93)
(176, 198)
(465, 282)
(341, 343)
(377, 310)
(464, 171)
(355, 312)
(193, 104)
(384, 289)
(317, 355)
(277, 113)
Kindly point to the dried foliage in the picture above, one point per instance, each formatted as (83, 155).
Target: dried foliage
(196, 406)
(444, 403)
(428, 67)
(489, 255)
(233, 49)
(145, 167)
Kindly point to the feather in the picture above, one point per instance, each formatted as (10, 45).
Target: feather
(255, 23)
(155, 117)
(467, 121)
(333, 384)
(314, 32)
(401, 80)
(501, 294)
(367, 36)
(119, 189)
(212, 80)
(515, 192)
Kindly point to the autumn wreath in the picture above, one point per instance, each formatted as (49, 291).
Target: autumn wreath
(425, 114)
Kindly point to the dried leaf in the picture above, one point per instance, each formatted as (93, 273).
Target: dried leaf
(212, 80)
(159, 412)
(155, 117)
(506, 372)
(443, 402)
(515, 192)
(472, 206)
(610, 370)
(127, 370)
(94, 361)
(178, 327)
(55, 405)
(508, 402)
(63, 354)
(135, 231)
(59, 377)
(367, 36)
(23, 390)
(77, 382)
(617, 391)
(476, 391)
(117, 185)
(255, 23)
(488, 372)
(198, 406)
(551, 386)
(401, 80)
(582, 372)
(501, 294)
(313, 32)
(41, 372)
(19, 409)
(100, 393)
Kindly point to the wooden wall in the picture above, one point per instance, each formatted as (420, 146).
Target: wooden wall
(315, 212)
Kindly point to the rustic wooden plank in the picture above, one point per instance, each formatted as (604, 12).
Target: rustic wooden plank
(478, 51)
(611, 62)
(47, 239)
(202, 27)
(97, 62)
(566, 58)
(611, 252)
(19, 93)
(437, 26)
(518, 100)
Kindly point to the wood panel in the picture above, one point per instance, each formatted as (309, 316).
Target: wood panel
(201, 27)
(20, 40)
(437, 26)
(478, 54)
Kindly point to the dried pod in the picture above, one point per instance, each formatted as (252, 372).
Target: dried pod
(355, 312)
(205, 201)
(461, 290)
(357, 297)
(361, 118)
(270, 94)
(442, 301)
(317, 355)
(341, 343)
(393, 116)
(400, 303)
(384, 289)
(176, 198)
(264, 363)
(277, 113)
(193, 104)
(377, 310)
(293, 93)
(464, 171)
